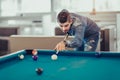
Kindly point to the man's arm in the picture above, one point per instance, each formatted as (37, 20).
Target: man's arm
(78, 37)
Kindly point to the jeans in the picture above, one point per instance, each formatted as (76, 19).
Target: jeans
(90, 43)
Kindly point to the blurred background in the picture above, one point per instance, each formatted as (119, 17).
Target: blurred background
(38, 17)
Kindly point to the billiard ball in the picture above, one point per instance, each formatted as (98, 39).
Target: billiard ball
(21, 56)
(98, 54)
(54, 57)
(39, 71)
(35, 57)
(34, 52)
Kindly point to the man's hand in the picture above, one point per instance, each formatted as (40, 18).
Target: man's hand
(60, 46)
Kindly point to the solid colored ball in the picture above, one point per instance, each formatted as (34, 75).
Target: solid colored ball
(21, 56)
(39, 71)
(35, 57)
(34, 52)
(54, 57)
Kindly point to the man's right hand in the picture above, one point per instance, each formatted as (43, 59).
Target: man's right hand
(60, 46)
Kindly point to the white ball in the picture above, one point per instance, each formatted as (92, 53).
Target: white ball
(21, 56)
(54, 57)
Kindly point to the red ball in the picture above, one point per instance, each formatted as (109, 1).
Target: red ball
(34, 52)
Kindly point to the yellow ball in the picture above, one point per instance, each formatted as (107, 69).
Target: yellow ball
(54, 57)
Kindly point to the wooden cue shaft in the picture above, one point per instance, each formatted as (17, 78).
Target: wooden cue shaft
(66, 36)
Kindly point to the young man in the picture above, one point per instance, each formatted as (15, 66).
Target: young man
(85, 31)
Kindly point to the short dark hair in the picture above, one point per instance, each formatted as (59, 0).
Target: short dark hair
(63, 16)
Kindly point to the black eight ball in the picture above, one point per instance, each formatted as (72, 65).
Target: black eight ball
(39, 71)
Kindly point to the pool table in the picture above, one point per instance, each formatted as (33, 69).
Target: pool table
(70, 65)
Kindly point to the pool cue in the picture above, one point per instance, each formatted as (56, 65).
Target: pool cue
(66, 36)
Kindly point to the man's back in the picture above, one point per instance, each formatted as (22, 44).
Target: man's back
(90, 26)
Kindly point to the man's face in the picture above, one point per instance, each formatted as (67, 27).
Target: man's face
(65, 26)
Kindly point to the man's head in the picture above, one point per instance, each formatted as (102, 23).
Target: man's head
(64, 20)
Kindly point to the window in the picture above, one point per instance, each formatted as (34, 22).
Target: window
(14, 7)
(87, 5)
(32, 6)
(9, 7)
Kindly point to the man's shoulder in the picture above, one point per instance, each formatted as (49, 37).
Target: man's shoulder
(77, 19)
(77, 15)
(77, 22)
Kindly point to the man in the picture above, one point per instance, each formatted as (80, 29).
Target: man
(85, 32)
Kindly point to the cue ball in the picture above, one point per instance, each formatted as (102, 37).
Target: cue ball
(54, 57)
(21, 56)
(39, 71)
